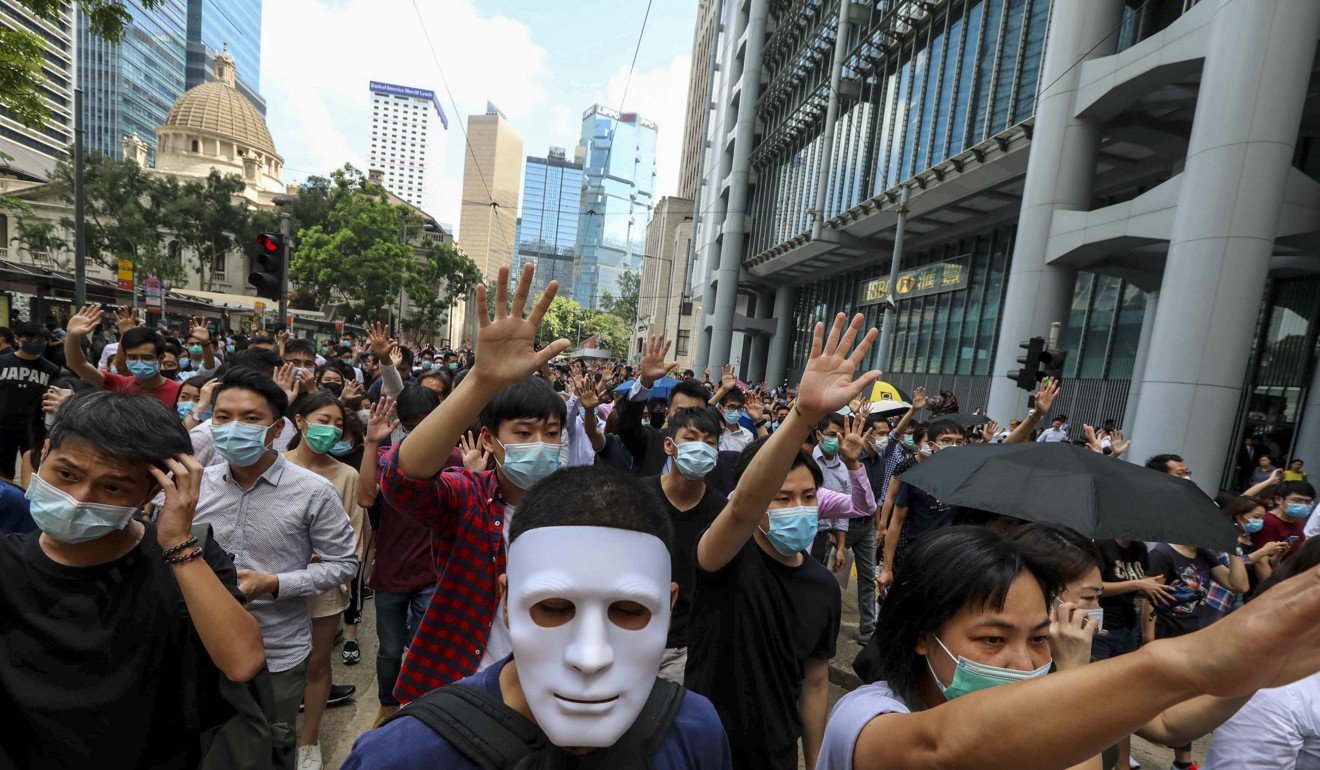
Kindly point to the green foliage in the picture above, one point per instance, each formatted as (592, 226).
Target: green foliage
(362, 252)
(441, 276)
(625, 305)
(568, 320)
(125, 216)
(21, 51)
(40, 236)
(207, 220)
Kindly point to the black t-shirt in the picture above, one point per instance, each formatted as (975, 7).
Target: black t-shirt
(1122, 564)
(754, 625)
(92, 660)
(688, 528)
(22, 384)
(1191, 578)
(925, 514)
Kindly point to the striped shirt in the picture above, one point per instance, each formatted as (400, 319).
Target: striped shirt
(274, 528)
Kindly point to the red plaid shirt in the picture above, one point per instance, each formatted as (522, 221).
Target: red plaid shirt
(464, 512)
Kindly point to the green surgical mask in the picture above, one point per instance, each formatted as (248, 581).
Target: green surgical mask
(829, 446)
(970, 676)
(195, 350)
(320, 438)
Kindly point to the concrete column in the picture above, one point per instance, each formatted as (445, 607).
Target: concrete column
(781, 344)
(1308, 430)
(734, 228)
(1060, 172)
(1253, 86)
(756, 365)
(1139, 365)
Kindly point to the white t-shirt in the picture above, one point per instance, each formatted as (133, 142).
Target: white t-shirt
(1278, 728)
(735, 440)
(849, 716)
(499, 646)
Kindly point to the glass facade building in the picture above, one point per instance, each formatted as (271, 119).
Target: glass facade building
(548, 227)
(36, 150)
(214, 25)
(129, 87)
(618, 195)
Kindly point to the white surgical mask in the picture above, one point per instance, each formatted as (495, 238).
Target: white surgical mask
(588, 657)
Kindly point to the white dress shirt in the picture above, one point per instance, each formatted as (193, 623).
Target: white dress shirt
(1278, 729)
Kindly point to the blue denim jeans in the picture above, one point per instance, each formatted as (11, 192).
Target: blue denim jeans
(861, 539)
(397, 616)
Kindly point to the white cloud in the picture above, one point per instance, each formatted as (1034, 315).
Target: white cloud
(661, 95)
(318, 58)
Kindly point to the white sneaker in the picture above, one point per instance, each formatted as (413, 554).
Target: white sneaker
(309, 757)
(1134, 764)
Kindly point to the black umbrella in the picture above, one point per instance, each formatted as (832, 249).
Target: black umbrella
(1098, 496)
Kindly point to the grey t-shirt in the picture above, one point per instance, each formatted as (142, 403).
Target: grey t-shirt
(849, 717)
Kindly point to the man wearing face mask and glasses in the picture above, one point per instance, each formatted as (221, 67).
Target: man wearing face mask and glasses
(468, 512)
(586, 602)
(102, 609)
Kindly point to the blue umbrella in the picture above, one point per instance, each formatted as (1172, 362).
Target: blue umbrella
(659, 390)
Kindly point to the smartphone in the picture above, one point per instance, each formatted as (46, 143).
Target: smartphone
(1292, 539)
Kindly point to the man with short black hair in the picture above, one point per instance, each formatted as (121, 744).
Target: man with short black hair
(1170, 464)
(24, 377)
(273, 516)
(1294, 502)
(734, 437)
(586, 602)
(142, 348)
(114, 627)
(7, 342)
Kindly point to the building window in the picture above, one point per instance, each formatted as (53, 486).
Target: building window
(218, 269)
(684, 338)
(196, 146)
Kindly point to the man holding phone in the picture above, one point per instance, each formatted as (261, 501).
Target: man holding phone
(1286, 522)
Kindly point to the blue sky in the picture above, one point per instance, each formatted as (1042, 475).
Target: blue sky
(542, 62)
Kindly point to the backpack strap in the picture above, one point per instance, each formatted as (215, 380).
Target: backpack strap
(657, 717)
(478, 725)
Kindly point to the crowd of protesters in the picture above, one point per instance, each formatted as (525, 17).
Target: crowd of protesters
(596, 565)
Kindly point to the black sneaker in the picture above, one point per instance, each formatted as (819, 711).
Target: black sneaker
(352, 654)
(341, 694)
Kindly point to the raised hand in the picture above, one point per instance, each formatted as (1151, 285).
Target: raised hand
(378, 336)
(506, 347)
(381, 422)
(207, 394)
(589, 397)
(200, 332)
(394, 356)
(85, 321)
(351, 390)
(919, 399)
(52, 398)
(755, 409)
(829, 382)
(1071, 632)
(1049, 390)
(125, 319)
(728, 380)
(653, 365)
(475, 458)
(850, 448)
(284, 377)
(181, 481)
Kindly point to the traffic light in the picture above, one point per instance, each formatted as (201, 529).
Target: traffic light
(268, 266)
(1027, 377)
(1051, 362)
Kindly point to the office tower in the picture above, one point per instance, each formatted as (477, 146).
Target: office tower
(701, 81)
(35, 151)
(213, 26)
(488, 220)
(408, 142)
(129, 87)
(664, 304)
(618, 188)
(547, 229)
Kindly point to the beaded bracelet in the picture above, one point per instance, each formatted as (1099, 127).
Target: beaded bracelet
(177, 560)
(190, 542)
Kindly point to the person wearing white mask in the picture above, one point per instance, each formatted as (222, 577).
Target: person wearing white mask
(586, 602)
(765, 615)
(273, 516)
(468, 512)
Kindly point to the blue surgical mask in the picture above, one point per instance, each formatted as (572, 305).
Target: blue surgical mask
(61, 516)
(1252, 526)
(184, 362)
(526, 464)
(731, 416)
(829, 446)
(970, 676)
(184, 408)
(240, 443)
(695, 459)
(1299, 510)
(342, 448)
(144, 370)
(792, 529)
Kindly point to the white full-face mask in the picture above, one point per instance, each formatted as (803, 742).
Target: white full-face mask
(587, 678)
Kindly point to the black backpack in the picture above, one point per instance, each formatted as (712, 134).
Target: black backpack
(481, 727)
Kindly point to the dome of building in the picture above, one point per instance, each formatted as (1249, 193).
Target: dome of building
(217, 108)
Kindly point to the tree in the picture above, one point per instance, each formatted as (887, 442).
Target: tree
(439, 277)
(21, 51)
(361, 253)
(207, 219)
(625, 305)
(39, 236)
(562, 320)
(124, 216)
